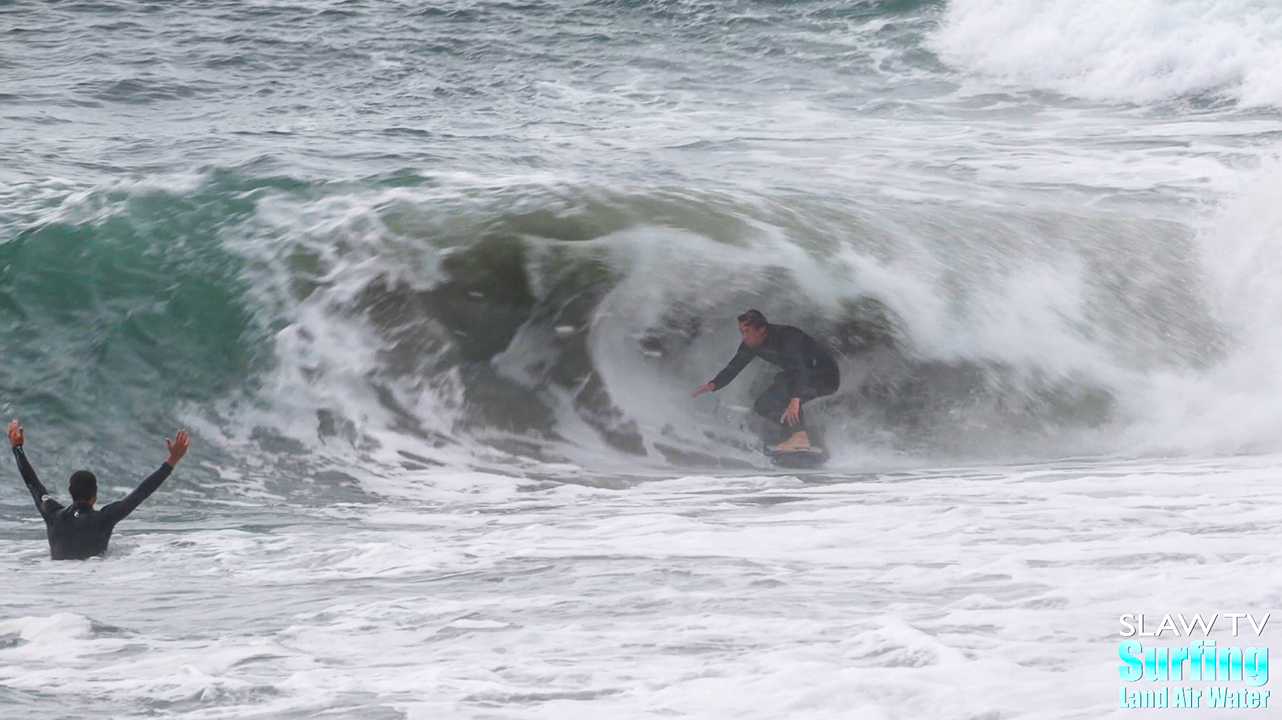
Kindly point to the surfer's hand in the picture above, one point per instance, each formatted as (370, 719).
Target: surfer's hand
(177, 447)
(707, 387)
(15, 434)
(791, 415)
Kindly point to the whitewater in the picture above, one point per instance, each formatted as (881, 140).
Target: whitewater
(430, 283)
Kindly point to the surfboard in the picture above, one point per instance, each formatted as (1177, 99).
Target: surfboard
(798, 459)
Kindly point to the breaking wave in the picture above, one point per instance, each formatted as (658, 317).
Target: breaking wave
(428, 321)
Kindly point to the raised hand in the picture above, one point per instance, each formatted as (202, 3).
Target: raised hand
(177, 446)
(15, 434)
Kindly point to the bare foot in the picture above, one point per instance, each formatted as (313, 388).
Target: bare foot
(799, 441)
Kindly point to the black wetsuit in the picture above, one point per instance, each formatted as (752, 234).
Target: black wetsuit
(808, 372)
(79, 532)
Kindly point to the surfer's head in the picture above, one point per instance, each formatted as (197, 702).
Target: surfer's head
(752, 326)
(83, 488)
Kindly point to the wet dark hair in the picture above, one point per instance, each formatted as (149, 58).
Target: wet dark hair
(754, 318)
(84, 486)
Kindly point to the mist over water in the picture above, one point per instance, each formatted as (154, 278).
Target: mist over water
(431, 285)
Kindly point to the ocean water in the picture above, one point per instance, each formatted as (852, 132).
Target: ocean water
(431, 282)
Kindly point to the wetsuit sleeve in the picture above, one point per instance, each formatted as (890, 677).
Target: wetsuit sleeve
(45, 504)
(119, 510)
(732, 370)
(795, 355)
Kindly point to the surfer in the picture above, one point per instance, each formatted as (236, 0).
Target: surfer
(80, 532)
(808, 373)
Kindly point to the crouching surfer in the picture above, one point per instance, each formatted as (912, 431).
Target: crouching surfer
(807, 373)
(79, 531)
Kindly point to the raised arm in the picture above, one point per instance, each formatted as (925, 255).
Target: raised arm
(45, 504)
(120, 509)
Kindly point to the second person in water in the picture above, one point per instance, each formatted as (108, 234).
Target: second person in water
(78, 531)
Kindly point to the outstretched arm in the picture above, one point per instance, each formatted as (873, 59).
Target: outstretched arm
(733, 368)
(120, 509)
(45, 504)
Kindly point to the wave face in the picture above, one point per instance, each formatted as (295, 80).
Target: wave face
(569, 323)
(517, 235)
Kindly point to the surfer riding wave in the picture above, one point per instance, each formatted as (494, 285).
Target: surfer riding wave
(808, 372)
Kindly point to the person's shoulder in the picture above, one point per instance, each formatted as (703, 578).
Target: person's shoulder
(74, 513)
(798, 332)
